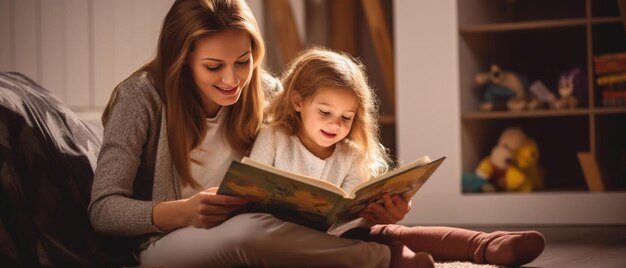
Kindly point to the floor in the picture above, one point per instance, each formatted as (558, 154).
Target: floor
(580, 246)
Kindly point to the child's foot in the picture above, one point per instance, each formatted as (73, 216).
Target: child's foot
(512, 248)
(402, 257)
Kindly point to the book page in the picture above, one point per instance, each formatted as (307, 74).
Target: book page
(405, 181)
(299, 177)
(419, 162)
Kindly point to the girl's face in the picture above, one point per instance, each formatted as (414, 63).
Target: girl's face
(326, 119)
(221, 66)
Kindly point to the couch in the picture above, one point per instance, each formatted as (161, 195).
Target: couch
(47, 160)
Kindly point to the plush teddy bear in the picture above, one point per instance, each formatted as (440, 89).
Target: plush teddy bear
(501, 90)
(512, 165)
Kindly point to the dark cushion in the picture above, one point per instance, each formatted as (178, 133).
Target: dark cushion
(47, 159)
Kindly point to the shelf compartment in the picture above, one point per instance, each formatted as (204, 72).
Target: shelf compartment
(535, 55)
(611, 152)
(559, 140)
(609, 38)
(498, 11)
(604, 8)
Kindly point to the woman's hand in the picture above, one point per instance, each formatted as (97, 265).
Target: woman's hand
(205, 209)
(394, 210)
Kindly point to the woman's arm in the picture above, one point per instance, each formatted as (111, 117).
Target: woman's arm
(112, 209)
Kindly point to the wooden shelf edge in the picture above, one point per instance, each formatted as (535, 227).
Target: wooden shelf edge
(538, 24)
(527, 25)
(542, 113)
(523, 114)
(610, 110)
(606, 20)
(562, 193)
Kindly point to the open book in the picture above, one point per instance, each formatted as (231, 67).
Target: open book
(317, 203)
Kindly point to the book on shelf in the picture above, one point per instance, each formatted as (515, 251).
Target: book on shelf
(611, 98)
(612, 88)
(611, 79)
(610, 63)
(314, 202)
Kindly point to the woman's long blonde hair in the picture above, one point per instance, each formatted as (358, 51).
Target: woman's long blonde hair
(186, 22)
(319, 67)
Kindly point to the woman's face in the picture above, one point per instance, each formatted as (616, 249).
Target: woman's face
(221, 65)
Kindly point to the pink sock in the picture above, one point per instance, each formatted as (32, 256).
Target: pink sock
(457, 244)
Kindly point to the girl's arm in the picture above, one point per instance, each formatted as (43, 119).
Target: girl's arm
(393, 211)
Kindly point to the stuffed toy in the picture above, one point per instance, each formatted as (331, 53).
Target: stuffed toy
(542, 97)
(572, 90)
(511, 166)
(501, 90)
(527, 161)
(473, 183)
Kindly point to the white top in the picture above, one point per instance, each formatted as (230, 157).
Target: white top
(214, 156)
(273, 146)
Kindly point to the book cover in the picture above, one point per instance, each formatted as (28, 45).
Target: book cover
(317, 203)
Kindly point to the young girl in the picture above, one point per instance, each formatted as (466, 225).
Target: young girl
(324, 125)
(170, 131)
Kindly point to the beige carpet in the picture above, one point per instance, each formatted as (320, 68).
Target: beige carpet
(462, 265)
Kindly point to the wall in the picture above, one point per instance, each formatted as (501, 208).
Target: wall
(81, 49)
(427, 113)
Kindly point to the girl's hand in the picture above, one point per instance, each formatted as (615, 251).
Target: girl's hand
(394, 210)
(207, 209)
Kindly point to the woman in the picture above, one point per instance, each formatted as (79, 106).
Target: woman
(171, 130)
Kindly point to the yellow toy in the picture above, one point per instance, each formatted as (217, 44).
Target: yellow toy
(527, 161)
(513, 164)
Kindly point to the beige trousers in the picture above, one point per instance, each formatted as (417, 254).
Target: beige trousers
(261, 240)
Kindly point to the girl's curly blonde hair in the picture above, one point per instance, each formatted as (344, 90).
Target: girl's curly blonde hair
(319, 67)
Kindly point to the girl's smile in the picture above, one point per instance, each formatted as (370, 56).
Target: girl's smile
(328, 135)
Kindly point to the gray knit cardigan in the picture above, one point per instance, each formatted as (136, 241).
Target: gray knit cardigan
(135, 169)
